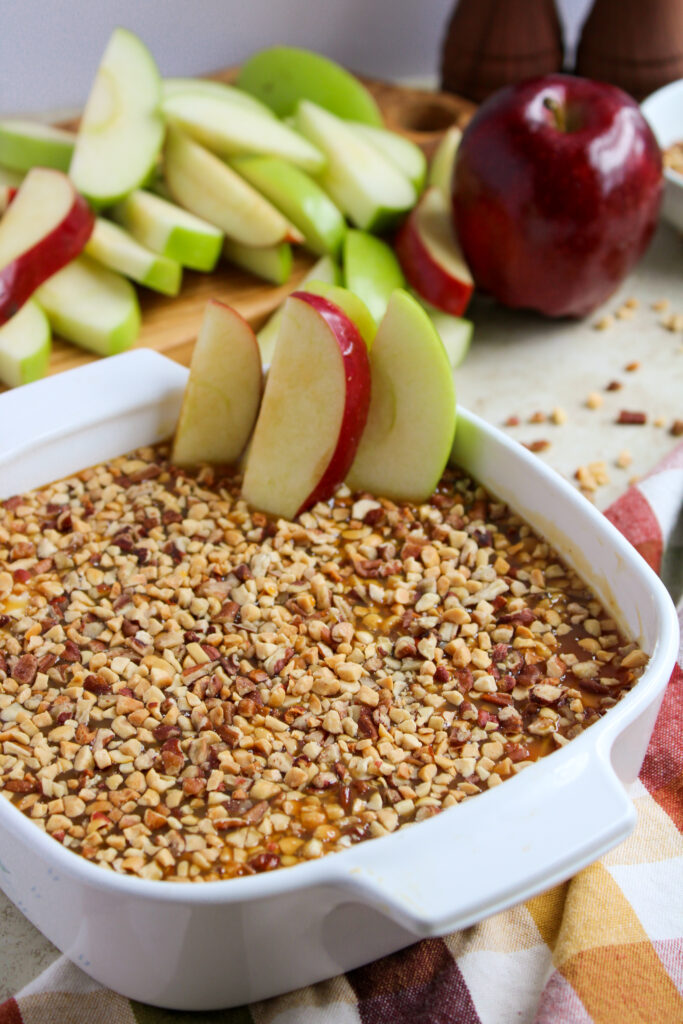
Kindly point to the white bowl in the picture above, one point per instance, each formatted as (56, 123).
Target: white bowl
(664, 111)
(215, 944)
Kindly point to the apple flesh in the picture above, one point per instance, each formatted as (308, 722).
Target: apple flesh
(122, 129)
(403, 153)
(556, 193)
(430, 256)
(219, 90)
(443, 161)
(349, 303)
(27, 144)
(167, 229)
(325, 270)
(365, 185)
(282, 75)
(371, 271)
(45, 226)
(113, 247)
(299, 198)
(455, 332)
(207, 187)
(272, 262)
(91, 306)
(223, 390)
(313, 411)
(25, 343)
(411, 422)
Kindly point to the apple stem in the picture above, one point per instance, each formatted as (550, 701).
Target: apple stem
(558, 112)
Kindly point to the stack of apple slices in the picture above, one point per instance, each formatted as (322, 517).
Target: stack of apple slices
(376, 410)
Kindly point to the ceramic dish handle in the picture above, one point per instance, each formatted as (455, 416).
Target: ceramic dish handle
(560, 821)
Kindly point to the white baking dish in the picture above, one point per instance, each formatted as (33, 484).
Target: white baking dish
(664, 110)
(216, 944)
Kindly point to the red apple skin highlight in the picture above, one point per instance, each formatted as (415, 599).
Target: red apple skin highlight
(357, 368)
(20, 278)
(553, 217)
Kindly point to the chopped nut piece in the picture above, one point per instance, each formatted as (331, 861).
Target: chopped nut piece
(594, 400)
(630, 417)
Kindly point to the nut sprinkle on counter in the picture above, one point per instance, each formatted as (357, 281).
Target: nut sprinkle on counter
(191, 690)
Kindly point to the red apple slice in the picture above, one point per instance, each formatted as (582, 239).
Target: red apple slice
(430, 255)
(45, 226)
(313, 411)
(223, 390)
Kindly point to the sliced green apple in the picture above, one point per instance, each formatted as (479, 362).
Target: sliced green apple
(167, 229)
(313, 410)
(219, 90)
(354, 307)
(25, 342)
(271, 262)
(299, 198)
(371, 271)
(91, 306)
(27, 144)
(229, 129)
(362, 182)
(403, 153)
(112, 246)
(282, 75)
(441, 167)
(325, 270)
(207, 187)
(455, 332)
(122, 128)
(411, 423)
(223, 390)
(46, 224)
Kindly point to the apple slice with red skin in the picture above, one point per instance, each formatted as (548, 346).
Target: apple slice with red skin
(313, 411)
(45, 226)
(223, 390)
(430, 256)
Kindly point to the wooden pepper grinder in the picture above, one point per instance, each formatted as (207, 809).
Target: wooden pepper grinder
(637, 46)
(491, 43)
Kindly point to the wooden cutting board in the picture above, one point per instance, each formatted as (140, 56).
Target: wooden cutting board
(170, 325)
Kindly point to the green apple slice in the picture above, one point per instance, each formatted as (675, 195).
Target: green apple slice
(441, 167)
(282, 75)
(27, 144)
(272, 262)
(91, 306)
(122, 128)
(355, 309)
(230, 130)
(411, 423)
(371, 271)
(110, 245)
(223, 390)
(25, 343)
(207, 187)
(325, 270)
(167, 229)
(361, 181)
(300, 198)
(455, 332)
(10, 178)
(219, 90)
(403, 153)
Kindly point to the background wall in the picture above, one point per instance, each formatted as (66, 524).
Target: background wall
(49, 49)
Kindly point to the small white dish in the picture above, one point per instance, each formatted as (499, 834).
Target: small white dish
(216, 944)
(664, 111)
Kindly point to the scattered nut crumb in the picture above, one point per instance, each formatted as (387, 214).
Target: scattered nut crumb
(632, 367)
(634, 480)
(624, 312)
(676, 428)
(674, 322)
(632, 303)
(537, 446)
(660, 421)
(511, 421)
(630, 417)
(624, 458)
(594, 400)
(614, 385)
(537, 417)
(558, 415)
(660, 305)
(604, 323)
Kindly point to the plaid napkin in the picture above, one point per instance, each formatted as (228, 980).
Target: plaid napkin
(605, 947)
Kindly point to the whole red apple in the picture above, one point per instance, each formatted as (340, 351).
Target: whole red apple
(556, 192)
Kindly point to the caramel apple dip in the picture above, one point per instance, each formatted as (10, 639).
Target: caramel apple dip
(193, 690)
